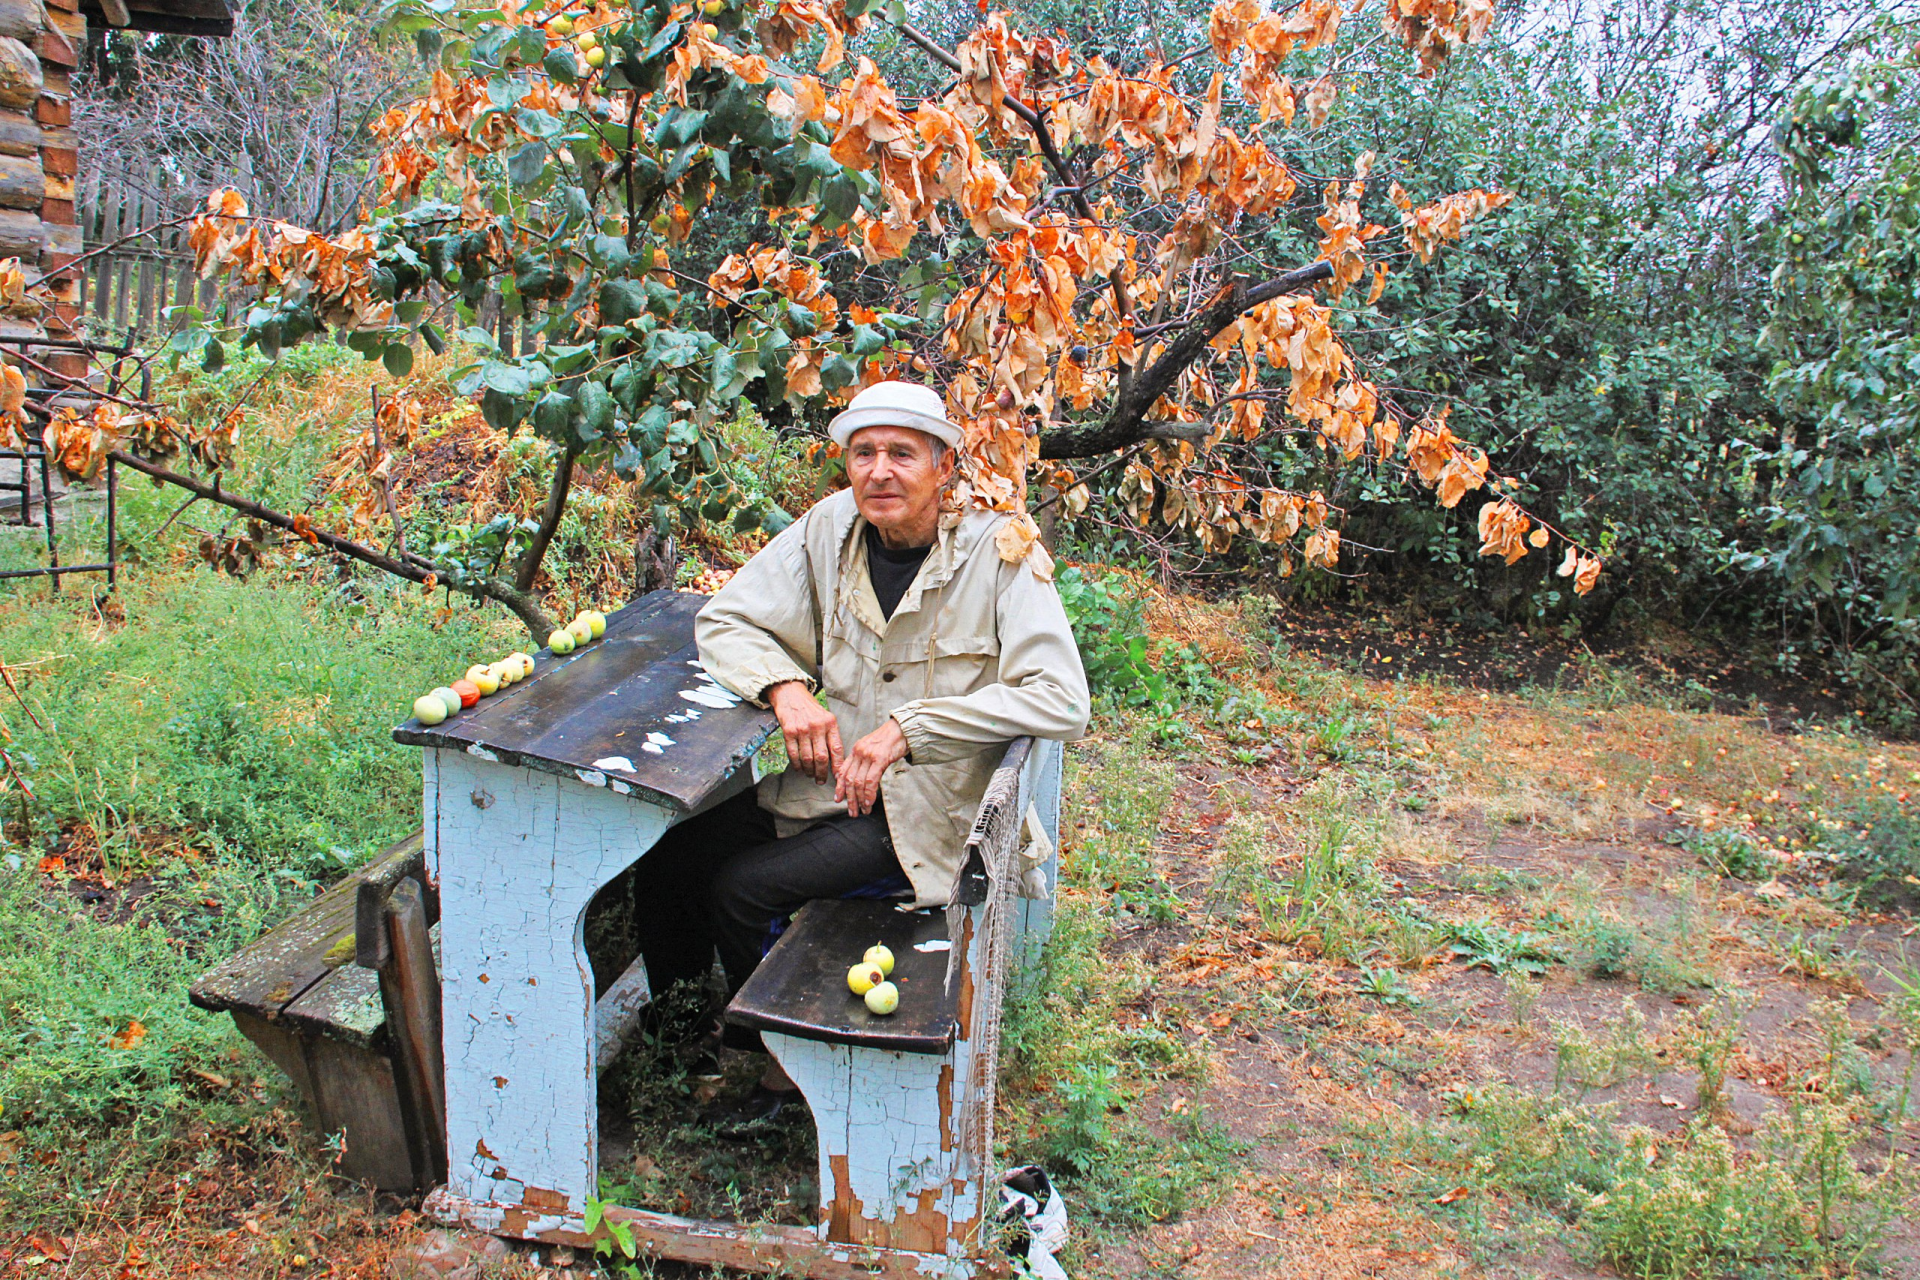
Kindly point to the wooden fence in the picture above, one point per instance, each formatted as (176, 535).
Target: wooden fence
(124, 293)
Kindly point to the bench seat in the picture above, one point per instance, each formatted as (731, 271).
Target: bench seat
(801, 988)
(297, 994)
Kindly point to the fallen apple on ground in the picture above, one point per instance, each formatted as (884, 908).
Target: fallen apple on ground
(864, 977)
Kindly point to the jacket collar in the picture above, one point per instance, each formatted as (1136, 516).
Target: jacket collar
(959, 532)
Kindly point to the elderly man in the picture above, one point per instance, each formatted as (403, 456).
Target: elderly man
(899, 652)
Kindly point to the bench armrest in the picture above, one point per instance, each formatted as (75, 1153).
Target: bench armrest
(998, 808)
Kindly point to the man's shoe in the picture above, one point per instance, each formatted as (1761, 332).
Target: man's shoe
(753, 1113)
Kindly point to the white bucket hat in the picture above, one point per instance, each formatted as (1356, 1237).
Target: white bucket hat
(896, 404)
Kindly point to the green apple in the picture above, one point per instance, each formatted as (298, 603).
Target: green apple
(597, 620)
(560, 642)
(428, 709)
(883, 999)
(864, 977)
(449, 697)
(561, 26)
(586, 40)
(880, 957)
(596, 57)
(581, 630)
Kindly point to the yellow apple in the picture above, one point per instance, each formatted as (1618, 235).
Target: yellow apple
(428, 709)
(561, 26)
(880, 957)
(484, 680)
(586, 40)
(596, 57)
(560, 642)
(526, 664)
(883, 999)
(505, 672)
(864, 977)
(581, 630)
(597, 620)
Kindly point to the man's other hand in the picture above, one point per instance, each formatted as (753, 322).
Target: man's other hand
(857, 784)
(812, 734)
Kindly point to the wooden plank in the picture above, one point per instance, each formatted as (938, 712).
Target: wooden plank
(792, 1251)
(271, 974)
(800, 989)
(343, 1005)
(632, 711)
(410, 993)
(617, 1012)
(521, 854)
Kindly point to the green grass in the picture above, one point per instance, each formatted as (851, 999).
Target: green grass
(229, 743)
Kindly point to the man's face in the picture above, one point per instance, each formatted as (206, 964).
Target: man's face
(896, 481)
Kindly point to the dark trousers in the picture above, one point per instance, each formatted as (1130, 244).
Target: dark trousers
(725, 880)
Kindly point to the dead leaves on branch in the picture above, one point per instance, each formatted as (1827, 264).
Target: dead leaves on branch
(1049, 325)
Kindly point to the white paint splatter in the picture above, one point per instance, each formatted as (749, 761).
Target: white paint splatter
(621, 763)
(659, 739)
(592, 777)
(932, 945)
(651, 749)
(710, 697)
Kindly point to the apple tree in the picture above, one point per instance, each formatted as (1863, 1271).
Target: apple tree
(1085, 250)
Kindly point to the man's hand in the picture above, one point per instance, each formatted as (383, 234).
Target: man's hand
(857, 784)
(812, 734)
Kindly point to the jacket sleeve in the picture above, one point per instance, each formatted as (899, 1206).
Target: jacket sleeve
(760, 629)
(1042, 690)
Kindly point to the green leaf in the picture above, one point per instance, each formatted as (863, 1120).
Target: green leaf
(622, 300)
(561, 65)
(525, 166)
(398, 357)
(540, 124)
(215, 358)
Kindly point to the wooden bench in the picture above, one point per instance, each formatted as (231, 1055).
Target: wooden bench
(903, 1104)
(300, 995)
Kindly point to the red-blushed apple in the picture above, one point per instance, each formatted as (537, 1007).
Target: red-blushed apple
(864, 977)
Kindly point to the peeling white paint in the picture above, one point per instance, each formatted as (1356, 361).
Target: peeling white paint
(515, 880)
(651, 750)
(477, 750)
(932, 945)
(621, 763)
(592, 777)
(622, 787)
(659, 739)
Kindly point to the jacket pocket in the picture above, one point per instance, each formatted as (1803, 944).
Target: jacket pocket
(941, 668)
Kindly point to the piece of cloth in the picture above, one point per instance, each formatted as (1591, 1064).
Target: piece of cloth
(978, 653)
(892, 571)
(726, 878)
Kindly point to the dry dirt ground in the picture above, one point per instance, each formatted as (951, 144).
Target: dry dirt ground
(1353, 975)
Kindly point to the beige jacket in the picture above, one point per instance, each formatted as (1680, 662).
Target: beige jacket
(977, 653)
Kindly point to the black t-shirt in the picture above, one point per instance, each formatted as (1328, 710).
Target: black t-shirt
(891, 571)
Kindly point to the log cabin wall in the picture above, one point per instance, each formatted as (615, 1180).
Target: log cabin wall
(40, 43)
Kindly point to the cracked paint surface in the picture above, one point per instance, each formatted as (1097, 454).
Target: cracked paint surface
(515, 879)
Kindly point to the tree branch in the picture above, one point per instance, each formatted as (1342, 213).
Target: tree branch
(528, 567)
(523, 605)
(1127, 424)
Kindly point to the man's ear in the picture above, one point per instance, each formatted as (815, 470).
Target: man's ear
(949, 459)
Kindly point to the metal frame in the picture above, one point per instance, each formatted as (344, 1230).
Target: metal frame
(24, 486)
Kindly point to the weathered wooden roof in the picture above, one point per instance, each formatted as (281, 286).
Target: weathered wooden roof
(166, 17)
(633, 711)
